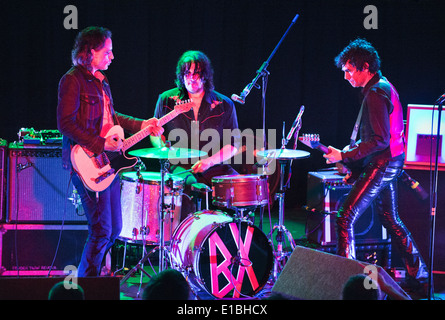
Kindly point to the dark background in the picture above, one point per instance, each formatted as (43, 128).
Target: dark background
(238, 36)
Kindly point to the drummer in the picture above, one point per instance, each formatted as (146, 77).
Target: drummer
(203, 126)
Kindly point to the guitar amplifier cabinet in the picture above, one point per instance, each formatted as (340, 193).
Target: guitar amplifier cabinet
(325, 193)
(39, 189)
(30, 249)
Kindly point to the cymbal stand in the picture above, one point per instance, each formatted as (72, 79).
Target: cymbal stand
(164, 166)
(161, 247)
(145, 255)
(280, 254)
(285, 166)
(139, 266)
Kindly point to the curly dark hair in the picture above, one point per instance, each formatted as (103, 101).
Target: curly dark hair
(202, 65)
(89, 38)
(359, 52)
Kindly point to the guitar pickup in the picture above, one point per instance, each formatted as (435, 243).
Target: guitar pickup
(101, 160)
(104, 176)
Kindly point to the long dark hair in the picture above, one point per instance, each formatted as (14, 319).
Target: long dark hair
(89, 38)
(202, 65)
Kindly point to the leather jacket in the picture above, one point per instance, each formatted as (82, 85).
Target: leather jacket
(80, 112)
(381, 129)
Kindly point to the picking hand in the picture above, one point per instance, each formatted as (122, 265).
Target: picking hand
(113, 143)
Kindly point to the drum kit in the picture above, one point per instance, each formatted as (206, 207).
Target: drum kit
(221, 254)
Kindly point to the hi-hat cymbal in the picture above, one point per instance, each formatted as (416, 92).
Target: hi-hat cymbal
(283, 154)
(167, 153)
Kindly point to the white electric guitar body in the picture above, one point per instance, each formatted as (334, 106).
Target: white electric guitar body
(98, 171)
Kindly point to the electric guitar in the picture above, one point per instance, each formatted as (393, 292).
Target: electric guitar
(312, 140)
(97, 171)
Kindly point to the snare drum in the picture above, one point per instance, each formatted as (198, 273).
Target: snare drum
(240, 190)
(205, 249)
(141, 200)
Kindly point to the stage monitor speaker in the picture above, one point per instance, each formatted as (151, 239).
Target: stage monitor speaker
(314, 275)
(29, 288)
(40, 190)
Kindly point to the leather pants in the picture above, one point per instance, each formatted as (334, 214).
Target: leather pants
(378, 183)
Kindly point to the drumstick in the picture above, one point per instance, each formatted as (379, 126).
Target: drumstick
(189, 170)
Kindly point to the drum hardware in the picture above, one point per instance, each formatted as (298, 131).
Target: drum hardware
(285, 158)
(143, 230)
(164, 154)
(139, 266)
(201, 188)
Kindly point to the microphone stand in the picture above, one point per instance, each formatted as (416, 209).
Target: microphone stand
(433, 204)
(263, 73)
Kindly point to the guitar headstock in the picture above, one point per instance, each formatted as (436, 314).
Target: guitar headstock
(182, 106)
(312, 140)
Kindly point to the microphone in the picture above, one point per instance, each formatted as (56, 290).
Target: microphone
(414, 185)
(441, 100)
(238, 99)
(242, 97)
(296, 123)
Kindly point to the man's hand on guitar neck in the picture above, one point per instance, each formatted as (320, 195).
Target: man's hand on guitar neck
(333, 156)
(156, 130)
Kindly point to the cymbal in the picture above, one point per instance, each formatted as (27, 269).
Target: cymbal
(167, 153)
(283, 154)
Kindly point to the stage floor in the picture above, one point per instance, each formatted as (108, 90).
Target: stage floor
(294, 221)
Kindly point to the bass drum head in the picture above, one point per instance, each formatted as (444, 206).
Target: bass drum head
(224, 270)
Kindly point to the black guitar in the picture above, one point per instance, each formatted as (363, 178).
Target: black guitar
(312, 140)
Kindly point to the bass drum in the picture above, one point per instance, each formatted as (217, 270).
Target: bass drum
(205, 249)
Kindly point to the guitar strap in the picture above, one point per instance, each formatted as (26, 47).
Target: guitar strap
(356, 127)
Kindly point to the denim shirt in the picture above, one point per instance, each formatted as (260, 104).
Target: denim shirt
(80, 112)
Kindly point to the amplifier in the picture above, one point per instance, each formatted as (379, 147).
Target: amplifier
(39, 189)
(325, 193)
(35, 249)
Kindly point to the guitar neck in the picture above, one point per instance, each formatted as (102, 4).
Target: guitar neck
(168, 117)
(323, 148)
(131, 141)
(313, 141)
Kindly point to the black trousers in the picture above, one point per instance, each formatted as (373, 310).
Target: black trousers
(378, 183)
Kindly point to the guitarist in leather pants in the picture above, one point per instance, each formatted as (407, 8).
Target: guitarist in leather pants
(380, 153)
(84, 115)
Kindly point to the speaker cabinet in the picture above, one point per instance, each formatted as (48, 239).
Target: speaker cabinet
(39, 188)
(314, 275)
(34, 249)
(325, 194)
